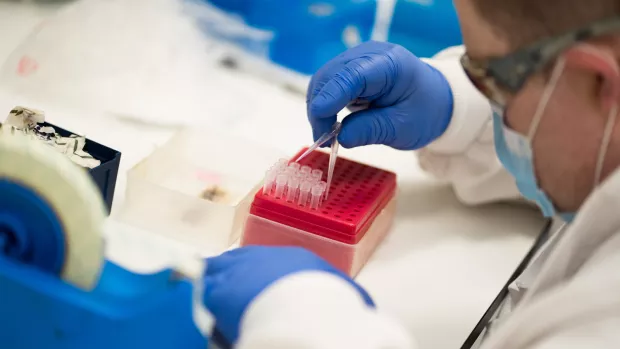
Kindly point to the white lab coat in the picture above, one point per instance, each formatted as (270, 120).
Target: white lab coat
(573, 298)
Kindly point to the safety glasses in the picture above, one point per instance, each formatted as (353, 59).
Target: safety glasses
(498, 78)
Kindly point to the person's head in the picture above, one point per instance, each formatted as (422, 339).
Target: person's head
(568, 138)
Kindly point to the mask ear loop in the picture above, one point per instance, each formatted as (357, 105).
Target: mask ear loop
(546, 96)
(609, 126)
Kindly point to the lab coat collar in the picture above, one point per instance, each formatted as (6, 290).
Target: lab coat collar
(596, 221)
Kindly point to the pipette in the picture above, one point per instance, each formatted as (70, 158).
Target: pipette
(332, 163)
(333, 134)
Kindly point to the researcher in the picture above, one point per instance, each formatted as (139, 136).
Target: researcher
(526, 110)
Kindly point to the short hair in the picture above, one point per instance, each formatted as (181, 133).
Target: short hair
(525, 21)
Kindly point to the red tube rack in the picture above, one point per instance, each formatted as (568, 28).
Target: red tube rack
(345, 229)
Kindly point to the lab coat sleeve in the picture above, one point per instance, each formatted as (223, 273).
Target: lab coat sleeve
(465, 154)
(601, 334)
(317, 310)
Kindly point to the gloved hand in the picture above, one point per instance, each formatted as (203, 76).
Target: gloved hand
(409, 102)
(236, 277)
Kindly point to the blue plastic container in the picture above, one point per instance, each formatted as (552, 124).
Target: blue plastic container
(305, 33)
(308, 33)
(314, 39)
(425, 27)
(239, 7)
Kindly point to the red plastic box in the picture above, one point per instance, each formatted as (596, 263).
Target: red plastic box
(346, 228)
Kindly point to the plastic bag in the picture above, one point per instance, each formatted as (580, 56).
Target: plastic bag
(136, 58)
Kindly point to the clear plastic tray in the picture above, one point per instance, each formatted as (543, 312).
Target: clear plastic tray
(197, 188)
(349, 258)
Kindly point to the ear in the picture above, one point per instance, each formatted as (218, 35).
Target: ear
(600, 61)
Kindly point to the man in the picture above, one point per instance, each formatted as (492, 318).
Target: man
(550, 70)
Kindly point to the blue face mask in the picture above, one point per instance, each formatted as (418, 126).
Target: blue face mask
(515, 151)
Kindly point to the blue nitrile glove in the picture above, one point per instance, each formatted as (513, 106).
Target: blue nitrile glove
(235, 278)
(409, 102)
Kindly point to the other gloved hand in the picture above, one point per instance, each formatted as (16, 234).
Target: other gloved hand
(236, 277)
(409, 102)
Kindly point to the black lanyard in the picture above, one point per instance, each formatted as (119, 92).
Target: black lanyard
(484, 321)
(217, 340)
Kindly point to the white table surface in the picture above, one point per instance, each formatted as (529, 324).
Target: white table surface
(437, 271)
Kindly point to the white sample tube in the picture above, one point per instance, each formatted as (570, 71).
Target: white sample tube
(282, 163)
(293, 186)
(301, 176)
(294, 165)
(316, 175)
(281, 181)
(270, 178)
(291, 172)
(304, 192)
(306, 170)
(316, 194)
